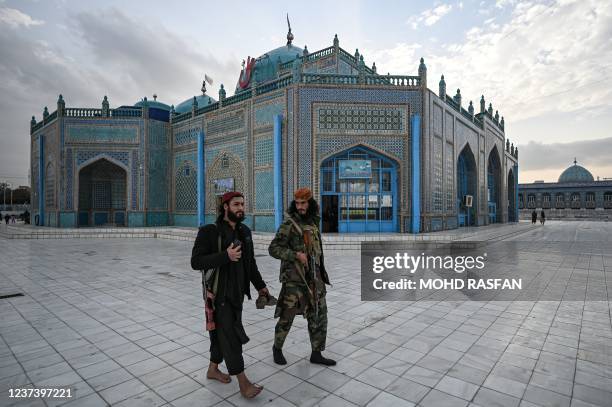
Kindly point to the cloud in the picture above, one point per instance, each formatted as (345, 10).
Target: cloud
(15, 18)
(546, 161)
(548, 57)
(119, 57)
(431, 16)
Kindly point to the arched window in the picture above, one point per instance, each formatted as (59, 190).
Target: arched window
(590, 200)
(546, 200)
(560, 200)
(531, 201)
(608, 199)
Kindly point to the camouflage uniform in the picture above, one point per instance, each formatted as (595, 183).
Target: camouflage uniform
(295, 298)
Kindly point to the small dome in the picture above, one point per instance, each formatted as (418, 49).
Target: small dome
(185, 106)
(265, 65)
(576, 173)
(153, 103)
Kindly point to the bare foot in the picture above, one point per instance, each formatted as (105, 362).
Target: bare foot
(216, 374)
(251, 391)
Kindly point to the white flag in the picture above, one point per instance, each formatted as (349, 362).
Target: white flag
(208, 79)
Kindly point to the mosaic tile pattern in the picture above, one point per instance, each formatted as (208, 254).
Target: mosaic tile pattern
(158, 167)
(186, 136)
(341, 95)
(186, 187)
(101, 134)
(50, 186)
(264, 190)
(437, 177)
(264, 151)
(69, 179)
(360, 119)
(86, 155)
(224, 124)
(264, 115)
(449, 177)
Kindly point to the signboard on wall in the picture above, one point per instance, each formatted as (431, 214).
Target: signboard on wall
(223, 185)
(355, 169)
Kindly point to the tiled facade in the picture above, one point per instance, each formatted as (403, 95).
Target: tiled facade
(329, 101)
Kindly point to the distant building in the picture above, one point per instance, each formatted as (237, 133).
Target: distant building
(576, 195)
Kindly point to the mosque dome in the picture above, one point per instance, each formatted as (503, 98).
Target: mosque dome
(576, 173)
(153, 103)
(185, 106)
(265, 66)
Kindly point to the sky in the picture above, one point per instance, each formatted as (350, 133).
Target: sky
(546, 65)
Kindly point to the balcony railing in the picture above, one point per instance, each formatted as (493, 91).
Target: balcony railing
(560, 205)
(330, 78)
(576, 205)
(590, 204)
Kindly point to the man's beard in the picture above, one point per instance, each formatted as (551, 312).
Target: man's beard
(235, 217)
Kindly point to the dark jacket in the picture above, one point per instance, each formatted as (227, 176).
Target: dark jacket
(205, 255)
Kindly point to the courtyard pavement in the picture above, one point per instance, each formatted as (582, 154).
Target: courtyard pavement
(120, 322)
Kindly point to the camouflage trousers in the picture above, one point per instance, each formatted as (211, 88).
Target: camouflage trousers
(293, 300)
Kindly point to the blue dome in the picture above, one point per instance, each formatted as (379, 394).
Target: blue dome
(153, 103)
(576, 173)
(185, 106)
(265, 65)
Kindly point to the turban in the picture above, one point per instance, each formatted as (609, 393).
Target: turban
(229, 195)
(303, 193)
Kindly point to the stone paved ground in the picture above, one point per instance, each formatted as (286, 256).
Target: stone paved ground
(119, 321)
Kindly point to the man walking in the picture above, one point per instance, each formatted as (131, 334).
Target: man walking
(226, 248)
(302, 274)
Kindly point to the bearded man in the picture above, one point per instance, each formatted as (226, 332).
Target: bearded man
(303, 276)
(226, 247)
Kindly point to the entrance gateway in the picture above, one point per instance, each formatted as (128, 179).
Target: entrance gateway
(359, 192)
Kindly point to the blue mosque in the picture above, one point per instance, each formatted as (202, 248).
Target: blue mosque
(382, 152)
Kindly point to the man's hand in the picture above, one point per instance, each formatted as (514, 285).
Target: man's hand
(301, 256)
(234, 252)
(264, 292)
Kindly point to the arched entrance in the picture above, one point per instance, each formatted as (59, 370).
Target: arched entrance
(102, 194)
(511, 198)
(466, 187)
(359, 192)
(494, 190)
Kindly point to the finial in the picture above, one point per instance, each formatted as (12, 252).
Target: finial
(194, 101)
(361, 60)
(442, 88)
(336, 41)
(575, 162)
(33, 121)
(482, 104)
(471, 109)
(501, 123)
(496, 116)
(357, 54)
(289, 34)
(305, 50)
(155, 97)
(490, 110)
(374, 67)
(221, 93)
(60, 98)
(203, 89)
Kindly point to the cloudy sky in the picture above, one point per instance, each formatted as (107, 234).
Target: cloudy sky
(546, 65)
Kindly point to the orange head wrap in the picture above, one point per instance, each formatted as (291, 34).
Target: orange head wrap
(303, 194)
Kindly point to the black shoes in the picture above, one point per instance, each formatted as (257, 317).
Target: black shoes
(316, 357)
(279, 359)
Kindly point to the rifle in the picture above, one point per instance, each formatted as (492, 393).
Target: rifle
(311, 267)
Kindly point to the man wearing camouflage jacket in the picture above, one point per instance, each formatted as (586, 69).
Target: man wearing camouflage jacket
(302, 274)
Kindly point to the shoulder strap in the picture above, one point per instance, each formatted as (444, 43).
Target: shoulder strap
(215, 283)
(296, 226)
